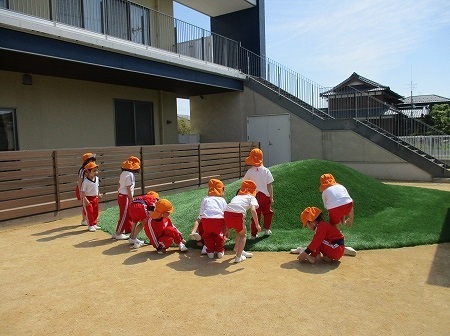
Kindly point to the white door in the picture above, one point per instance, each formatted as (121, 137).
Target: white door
(273, 132)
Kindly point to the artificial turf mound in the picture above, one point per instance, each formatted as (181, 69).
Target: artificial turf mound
(386, 216)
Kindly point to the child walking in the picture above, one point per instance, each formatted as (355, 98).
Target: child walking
(234, 216)
(140, 210)
(327, 239)
(85, 159)
(264, 190)
(125, 196)
(211, 217)
(160, 230)
(90, 195)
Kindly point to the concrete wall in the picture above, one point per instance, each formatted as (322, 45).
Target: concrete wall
(63, 113)
(223, 117)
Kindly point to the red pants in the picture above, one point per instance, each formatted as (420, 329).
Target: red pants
(265, 209)
(161, 234)
(124, 224)
(330, 250)
(213, 234)
(91, 210)
(137, 212)
(336, 214)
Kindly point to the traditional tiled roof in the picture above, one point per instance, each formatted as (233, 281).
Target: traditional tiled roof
(426, 99)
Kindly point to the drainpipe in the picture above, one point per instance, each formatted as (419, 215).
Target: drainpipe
(160, 113)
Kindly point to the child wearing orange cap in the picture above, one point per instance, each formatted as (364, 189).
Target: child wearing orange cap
(327, 240)
(125, 196)
(140, 210)
(90, 195)
(211, 217)
(234, 216)
(264, 190)
(160, 230)
(85, 159)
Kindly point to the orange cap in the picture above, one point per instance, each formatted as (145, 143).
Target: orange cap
(132, 163)
(161, 207)
(255, 158)
(87, 156)
(90, 165)
(153, 194)
(215, 187)
(248, 187)
(326, 180)
(309, 215)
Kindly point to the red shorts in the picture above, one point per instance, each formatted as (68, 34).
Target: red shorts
(336, 214)
(234, 220)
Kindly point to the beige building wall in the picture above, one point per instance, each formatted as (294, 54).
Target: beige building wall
(223, 117)
(63, 113)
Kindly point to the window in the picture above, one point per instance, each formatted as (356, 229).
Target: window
(8, 133)
(3, 3)
(134, 123)
(69, 12)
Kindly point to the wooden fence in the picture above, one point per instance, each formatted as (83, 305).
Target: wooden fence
(42, 181)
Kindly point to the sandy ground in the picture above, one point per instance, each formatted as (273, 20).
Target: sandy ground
(59, 279)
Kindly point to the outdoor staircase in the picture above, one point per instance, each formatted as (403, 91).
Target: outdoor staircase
(320, 119)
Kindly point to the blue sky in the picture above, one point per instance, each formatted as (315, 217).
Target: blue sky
(389, 42)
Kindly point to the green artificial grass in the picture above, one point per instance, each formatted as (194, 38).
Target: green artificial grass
(386, 216)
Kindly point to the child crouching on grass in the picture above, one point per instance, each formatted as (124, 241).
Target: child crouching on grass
(140, 210)
(234, 216)
(160, 230)
(327, 240)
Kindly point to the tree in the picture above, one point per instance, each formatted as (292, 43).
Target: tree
(184, 126)
(440, 114)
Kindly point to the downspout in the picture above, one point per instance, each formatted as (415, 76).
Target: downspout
(161, 124)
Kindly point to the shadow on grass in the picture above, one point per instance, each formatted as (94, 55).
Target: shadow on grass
(201, 265)
(439, 274)
(319, 267)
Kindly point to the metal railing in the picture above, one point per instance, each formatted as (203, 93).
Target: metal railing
(139, 24)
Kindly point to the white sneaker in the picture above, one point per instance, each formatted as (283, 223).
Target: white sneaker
(113, 235)
(84, 222)
(195, 236)
(138, 244)
(92, 228)
(239, 259)
(297, 250)
(132, 241)
(349, 251)
(267, 232)
(182, 247)
(122, 236)
(247, 254)
(220, 255)
(253, 237)
(210, 255)
(97, 227)
(204, 249)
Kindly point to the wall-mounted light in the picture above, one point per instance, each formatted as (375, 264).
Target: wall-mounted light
(168, 122)
(27, 79)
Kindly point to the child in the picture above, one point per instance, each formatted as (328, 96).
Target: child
(339, 204)
(327, 240)
(160, 230)
(125, 196)
(234, 216)
(197, 234)
(85, 159)
(140, 210)
(211, 217)
(90, 195)
(264, 190)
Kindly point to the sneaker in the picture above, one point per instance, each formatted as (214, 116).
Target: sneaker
(253, 237)
(92, 228)
(182, 247)
(122, 236)
(247, 254)
(204, 249)
(161, 251)
(84, 222)
(97, 227)
(349, 251)
(210, 255)
(220, 255)
(239, 259)
(132, 241)
(267, 232)
(195, 236)
(138, 244)
(297, 250)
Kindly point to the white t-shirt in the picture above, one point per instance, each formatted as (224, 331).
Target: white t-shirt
(90, 187)
(261, 176)
(241, 203)
(335, 196)
(126, 180)
(212, 207)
